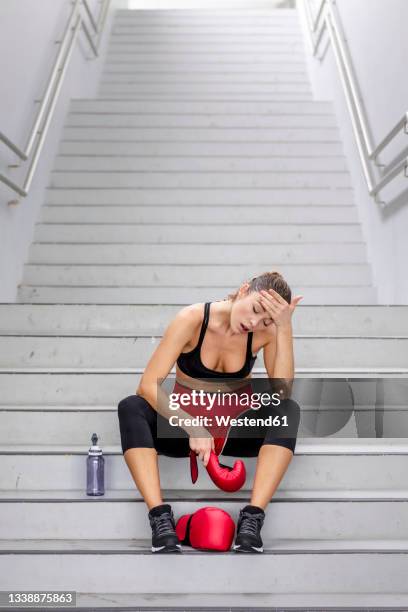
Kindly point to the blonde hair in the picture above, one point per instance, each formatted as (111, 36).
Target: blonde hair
(267, 280)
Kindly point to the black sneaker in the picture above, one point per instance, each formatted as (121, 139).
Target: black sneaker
(164, 536)
(248, 538)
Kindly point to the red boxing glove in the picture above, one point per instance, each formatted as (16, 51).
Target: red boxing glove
(208, 528)
(225, 477)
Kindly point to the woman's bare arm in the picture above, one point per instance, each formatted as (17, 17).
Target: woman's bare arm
(279, 353)
(284, 363)
(175, 337)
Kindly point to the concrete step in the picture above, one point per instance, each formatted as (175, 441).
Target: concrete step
(96, 387)
(212, 77)
(200, 180)
(183, 295)
(199, 31)
(215, 44)
(252, 108)
(227, 20)
(126, 352)
(321, 468)
(244, 22)
(20, 425)
(199, 121)
(199, 253)
(136, 319)
(179, 52)
(174, 135)
(198, 95)
(203, 31)
(196, 233)
(202, 149)
(205, 17)
(195, 276)
(233, 41)
(256, 108)
(278, 129)
(238, 602)
(293, 519)
(66, 426)
(156, 63)
(212, 215)
(182, 18)
(329, 568)
(53, 387)
(231, 16)
(202, 88)
(182, 29)
(186, 197)
(208, 14)
(106, 163)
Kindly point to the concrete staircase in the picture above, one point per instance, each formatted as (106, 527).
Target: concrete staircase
(203, 161)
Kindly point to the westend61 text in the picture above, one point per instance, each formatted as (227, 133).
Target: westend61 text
(205, 421)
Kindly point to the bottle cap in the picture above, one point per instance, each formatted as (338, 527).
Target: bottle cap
(95, 449)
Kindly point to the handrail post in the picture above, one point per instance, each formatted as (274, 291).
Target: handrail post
(38, 132)
(327, 18)
(53, 76)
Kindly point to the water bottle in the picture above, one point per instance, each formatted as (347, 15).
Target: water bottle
(95, 469)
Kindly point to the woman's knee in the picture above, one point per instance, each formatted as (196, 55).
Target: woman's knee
(287, 429)
(291, 409)
(134, 406)
(136, 423)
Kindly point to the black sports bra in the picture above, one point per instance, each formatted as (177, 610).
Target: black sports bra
(190, 363)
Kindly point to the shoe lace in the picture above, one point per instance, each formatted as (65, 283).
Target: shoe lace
(250, 523)
(163, 524)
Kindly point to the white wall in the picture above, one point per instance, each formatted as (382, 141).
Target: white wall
(28, 31)
(376, 35)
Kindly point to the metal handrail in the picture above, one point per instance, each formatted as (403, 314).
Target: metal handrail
(38, 132)
(377, 175)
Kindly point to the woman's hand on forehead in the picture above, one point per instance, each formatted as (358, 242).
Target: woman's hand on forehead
(277, 307)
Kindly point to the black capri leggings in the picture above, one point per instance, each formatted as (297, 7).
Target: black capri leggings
(139, 423)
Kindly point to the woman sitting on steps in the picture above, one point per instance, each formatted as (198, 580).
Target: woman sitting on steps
(212, 340)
